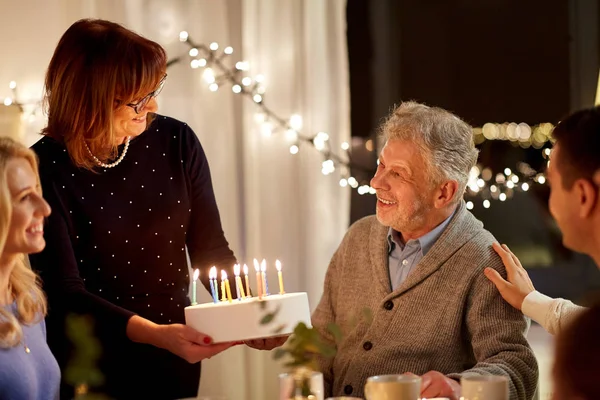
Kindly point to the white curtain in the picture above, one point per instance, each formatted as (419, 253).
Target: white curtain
(273, 204)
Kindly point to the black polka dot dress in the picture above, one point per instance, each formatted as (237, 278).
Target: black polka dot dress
(116, 246)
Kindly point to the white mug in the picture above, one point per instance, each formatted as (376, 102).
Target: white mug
(484, 387)
(393, 387)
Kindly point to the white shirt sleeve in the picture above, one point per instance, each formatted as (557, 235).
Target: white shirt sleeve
(552, 314)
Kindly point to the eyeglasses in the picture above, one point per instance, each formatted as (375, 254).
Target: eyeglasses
(139, 106)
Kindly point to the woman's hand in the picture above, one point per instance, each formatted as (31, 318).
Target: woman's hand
(518, 286)
(189, 344)
(179, 339)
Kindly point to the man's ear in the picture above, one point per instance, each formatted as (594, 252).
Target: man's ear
(446, 193)
(587, 195)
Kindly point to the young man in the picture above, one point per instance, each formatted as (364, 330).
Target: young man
(574, 178)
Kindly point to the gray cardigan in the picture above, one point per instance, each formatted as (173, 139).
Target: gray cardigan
(446, 316)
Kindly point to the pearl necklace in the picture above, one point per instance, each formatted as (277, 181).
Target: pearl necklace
(117, 162)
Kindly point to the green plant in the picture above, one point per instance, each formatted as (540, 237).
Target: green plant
(306, 343)
(82, 371)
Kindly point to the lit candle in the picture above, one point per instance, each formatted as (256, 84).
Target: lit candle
(263, 268)
(248, 293)
(258, 279)
(196, 275)
(227, 287)
(213, 284)
(223, 292)
(280, 276)
(239, 288)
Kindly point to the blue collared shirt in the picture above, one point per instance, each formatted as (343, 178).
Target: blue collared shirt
(404, 257)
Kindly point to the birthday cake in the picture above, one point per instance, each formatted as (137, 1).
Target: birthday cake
(249, 318)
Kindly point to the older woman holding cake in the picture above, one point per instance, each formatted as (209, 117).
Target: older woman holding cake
(130, 191)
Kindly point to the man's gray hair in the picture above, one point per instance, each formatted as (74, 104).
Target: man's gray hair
(446, 140)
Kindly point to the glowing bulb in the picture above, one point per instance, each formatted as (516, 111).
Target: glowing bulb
(541, 178)
(242, 65)
(486, 204)
(259, 78)
(502, 197)
(236, 88)
(12, 84)
(510, 184)
(208, 75)
(547, 151)
(193, 52)
(294, 149)
(507, 171)
(328, 167)
(296, 122)
(7, 101)
(194, 63)
(372, 190)
(323, 136)
(213, 87)
(246, 81)
(514, 178)
(260, 118)
(343, 182)
(228, 50)
(319, 143)
(353, 182)
(214, 46)
(470, 205)
(480, 183)
(202, 62)
(345, 146)
(183, 36)
(493, 188)
(257, 98)
(525, 186)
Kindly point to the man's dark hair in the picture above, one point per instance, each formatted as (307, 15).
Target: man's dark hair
(578, 136)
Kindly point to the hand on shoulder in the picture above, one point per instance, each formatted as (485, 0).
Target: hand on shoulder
(518, 285)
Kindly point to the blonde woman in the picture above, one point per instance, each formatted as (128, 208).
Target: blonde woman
(28, 369)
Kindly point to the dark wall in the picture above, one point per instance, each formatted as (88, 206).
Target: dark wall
(488, 61)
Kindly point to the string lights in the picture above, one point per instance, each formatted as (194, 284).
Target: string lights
(522, 134)
(11, 100)
(216, 73)
(502, 186)
(33, 107)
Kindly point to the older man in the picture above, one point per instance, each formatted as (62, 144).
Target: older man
(418, 266)
(574, 178)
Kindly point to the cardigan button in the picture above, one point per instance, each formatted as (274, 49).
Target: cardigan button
(348, 389)
(367, 346)
(388, 305)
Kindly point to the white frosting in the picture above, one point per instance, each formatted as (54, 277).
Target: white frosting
(240, 320)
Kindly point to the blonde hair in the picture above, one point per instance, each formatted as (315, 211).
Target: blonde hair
(23, 282)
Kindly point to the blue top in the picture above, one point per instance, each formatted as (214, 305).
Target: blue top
(29, 376)
(404, 257)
